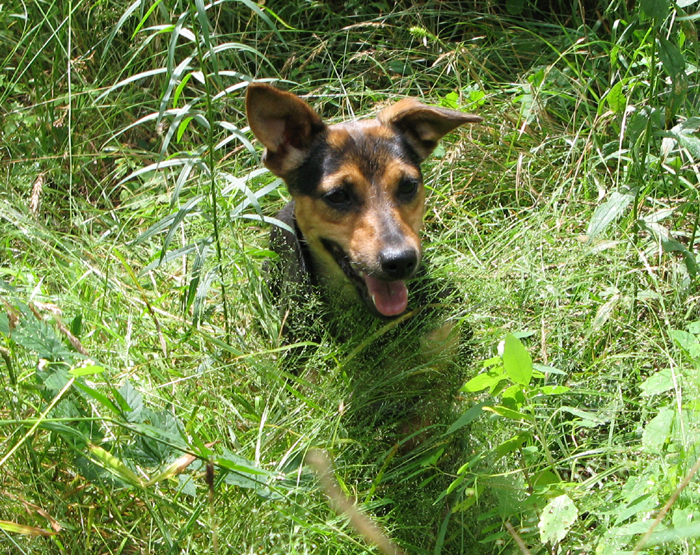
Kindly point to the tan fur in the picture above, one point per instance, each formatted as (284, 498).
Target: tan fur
(369, 160)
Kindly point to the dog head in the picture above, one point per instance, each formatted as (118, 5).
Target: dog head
(357, 186)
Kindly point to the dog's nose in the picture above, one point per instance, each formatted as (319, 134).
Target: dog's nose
(398, 263)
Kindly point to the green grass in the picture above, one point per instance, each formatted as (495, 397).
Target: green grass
(568, 219)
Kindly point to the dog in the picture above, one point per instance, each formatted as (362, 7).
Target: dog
(354, 222)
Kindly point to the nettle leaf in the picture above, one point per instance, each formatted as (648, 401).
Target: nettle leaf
(609, 211)
(40, 337)
(245, 474)
(134, 399)
(517, 362)
(557, 518)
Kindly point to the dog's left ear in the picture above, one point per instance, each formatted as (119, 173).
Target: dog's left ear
(423, 126)
(284, 123)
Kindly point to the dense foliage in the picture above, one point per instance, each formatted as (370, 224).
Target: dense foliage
(148, 403)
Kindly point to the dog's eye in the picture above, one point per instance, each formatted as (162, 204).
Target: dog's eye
(339, 198)
(407, 188)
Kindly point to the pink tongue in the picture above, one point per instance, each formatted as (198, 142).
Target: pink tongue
(390, 298)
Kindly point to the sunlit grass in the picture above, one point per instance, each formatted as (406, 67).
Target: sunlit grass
(142, 247)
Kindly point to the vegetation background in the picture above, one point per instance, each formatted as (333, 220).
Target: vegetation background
(147, 403)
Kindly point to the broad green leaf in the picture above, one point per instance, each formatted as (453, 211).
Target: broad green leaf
(512, 444)
(687, 341)
(644, 503)
(655, 9)
(484, 380)
(472, 414)
(134, 399)
(658, 430)
(609, 211)
(657, 383)
(557, 518)
(513, 397)
(450, 100)
(690, 143)
(517, 362)
(616, 98)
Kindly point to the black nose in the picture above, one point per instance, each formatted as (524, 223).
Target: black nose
(398, 263)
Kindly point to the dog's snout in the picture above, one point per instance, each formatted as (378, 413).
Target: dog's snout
(398, 263)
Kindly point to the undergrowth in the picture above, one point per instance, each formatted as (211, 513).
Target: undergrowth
(149, 401)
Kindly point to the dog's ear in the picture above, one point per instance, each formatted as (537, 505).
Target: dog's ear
(423, 126)
(284, 124)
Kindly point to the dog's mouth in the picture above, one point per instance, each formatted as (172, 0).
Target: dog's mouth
(386, 298)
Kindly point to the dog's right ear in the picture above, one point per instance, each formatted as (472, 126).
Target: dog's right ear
(284, 124)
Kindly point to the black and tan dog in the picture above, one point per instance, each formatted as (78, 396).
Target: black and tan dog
(358, 195)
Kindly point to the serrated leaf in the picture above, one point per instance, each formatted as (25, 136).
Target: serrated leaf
(57, 380)
(658, 383)
(134, 399)
(609, 211)
(557, 519)
(517, 362)
(40, 337)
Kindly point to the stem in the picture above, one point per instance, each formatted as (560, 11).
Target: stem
(212, 188)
